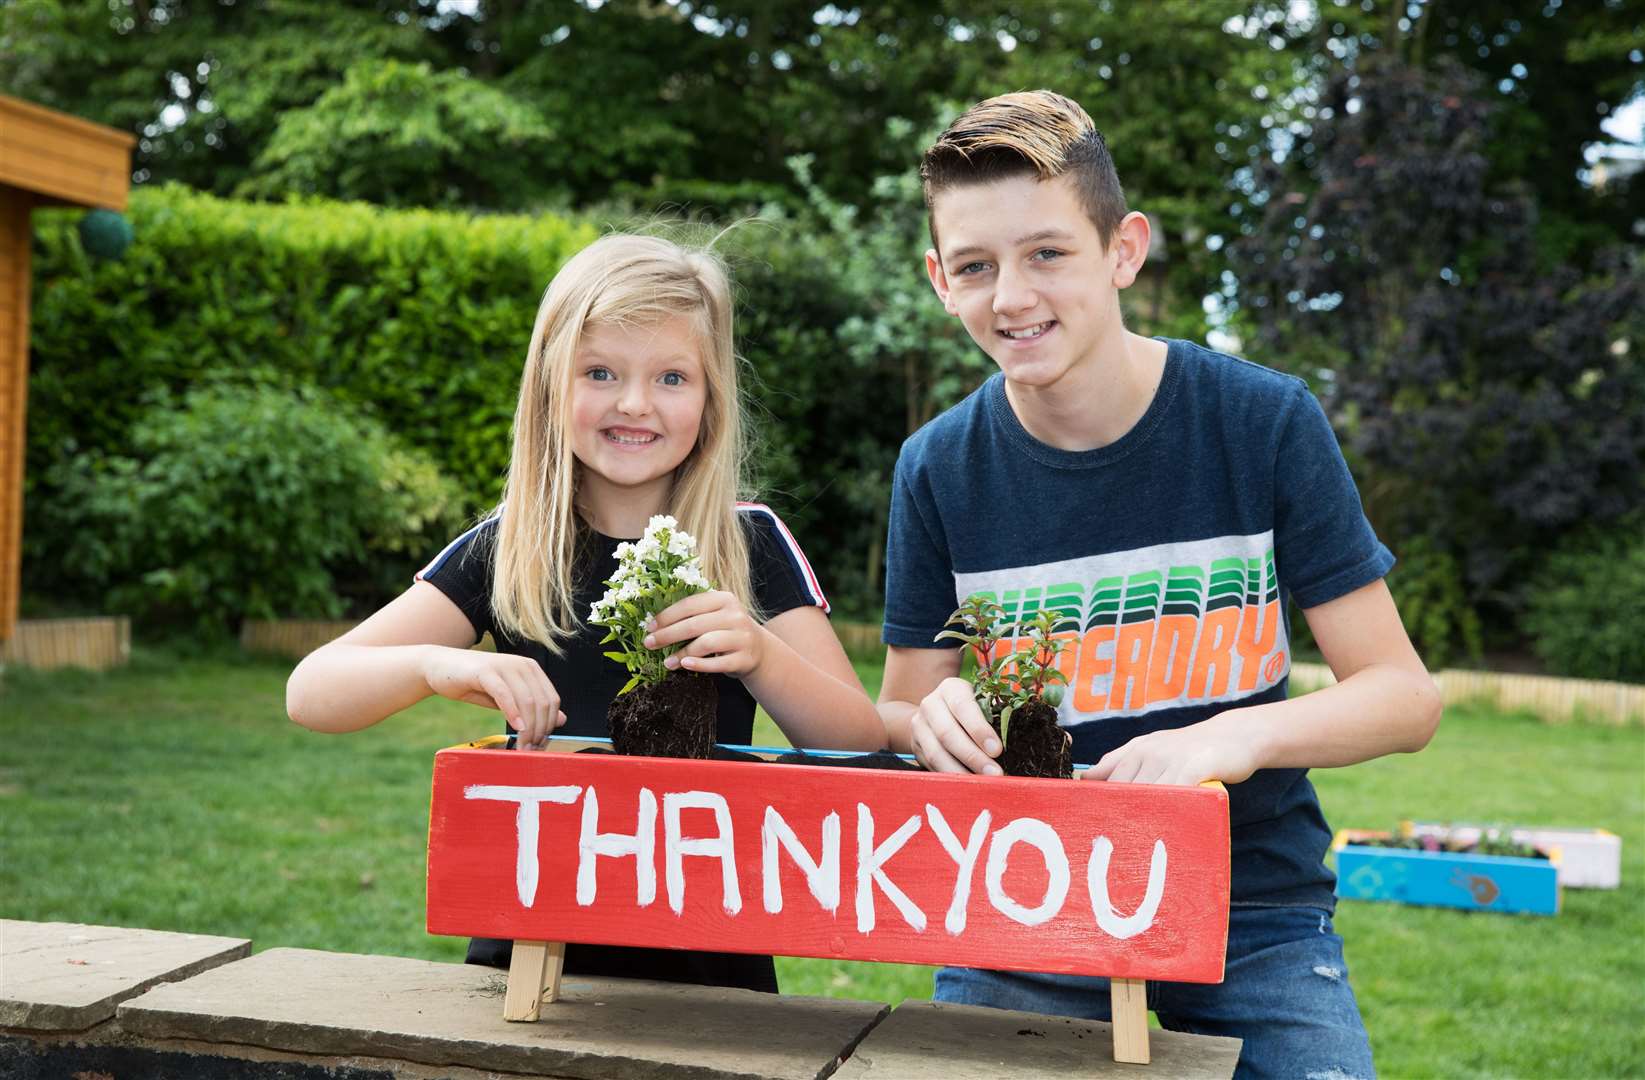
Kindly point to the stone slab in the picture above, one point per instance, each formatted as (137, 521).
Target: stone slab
(452, 1014)
(67, 977)
(926, 1040)
(106, 1052)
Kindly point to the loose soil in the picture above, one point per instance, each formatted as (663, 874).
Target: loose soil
(674, 718)
(1036, 746)
(880, 759)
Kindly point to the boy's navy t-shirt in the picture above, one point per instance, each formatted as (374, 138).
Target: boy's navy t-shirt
(1169, 556)
(587, 681)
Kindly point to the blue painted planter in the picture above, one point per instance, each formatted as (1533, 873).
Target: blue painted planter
(1447, 879)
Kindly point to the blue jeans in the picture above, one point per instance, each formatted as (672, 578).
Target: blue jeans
(1285, 992)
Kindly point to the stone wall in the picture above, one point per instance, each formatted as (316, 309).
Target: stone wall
(108, 1003)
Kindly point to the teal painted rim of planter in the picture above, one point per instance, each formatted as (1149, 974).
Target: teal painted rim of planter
(1372, 851)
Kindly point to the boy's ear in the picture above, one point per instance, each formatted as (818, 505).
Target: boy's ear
(1130, 248)
(939, 280)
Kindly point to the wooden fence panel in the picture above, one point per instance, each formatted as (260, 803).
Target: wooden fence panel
(45, 644)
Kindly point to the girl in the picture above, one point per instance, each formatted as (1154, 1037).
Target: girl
(628, 408)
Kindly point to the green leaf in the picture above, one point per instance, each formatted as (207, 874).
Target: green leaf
(629, 685)
(620, 657)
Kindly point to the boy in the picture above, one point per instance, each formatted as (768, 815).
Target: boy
(1166, 500)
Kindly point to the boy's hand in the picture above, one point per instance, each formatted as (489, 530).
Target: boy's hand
(725, 639)
(515, 685)
(1209, 750)
(950, 734)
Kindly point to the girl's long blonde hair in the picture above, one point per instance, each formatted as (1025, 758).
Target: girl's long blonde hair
(618, 279)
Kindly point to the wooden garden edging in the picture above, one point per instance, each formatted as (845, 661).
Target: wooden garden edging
(295, 638)
(97, 643)
(1120, 880)
(1550, 697)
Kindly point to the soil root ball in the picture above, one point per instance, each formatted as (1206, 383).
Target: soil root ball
(674, 718)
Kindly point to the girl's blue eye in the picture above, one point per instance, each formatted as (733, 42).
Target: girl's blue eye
(600, 374)
(673, 378)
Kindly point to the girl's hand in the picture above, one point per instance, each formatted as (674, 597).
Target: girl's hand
(514, 685)
(725, 639)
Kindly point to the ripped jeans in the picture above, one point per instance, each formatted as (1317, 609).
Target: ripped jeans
(1285, 992)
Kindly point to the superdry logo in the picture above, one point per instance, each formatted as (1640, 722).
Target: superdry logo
(1154, 628)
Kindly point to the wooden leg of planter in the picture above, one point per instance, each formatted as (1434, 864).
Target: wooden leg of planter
(1129, 1001)
(533, 978)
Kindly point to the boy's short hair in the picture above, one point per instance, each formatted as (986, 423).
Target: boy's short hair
(1035, 133)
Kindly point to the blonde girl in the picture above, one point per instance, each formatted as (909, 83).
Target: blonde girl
(628, 408)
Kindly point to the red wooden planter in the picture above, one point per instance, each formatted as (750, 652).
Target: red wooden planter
(1121, 880)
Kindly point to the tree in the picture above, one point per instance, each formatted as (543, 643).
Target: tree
(1556, 71)
(203, 85)
(644, 97)
(401, 134)
(1490, 403)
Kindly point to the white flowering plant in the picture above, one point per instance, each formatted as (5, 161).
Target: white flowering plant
(653, 573)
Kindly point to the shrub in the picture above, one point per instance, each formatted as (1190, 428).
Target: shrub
(1586, 612)
(420, 320)
(241, 502)
(1427, 584)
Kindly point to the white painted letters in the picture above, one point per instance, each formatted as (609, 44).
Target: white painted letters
(965, 858)
(525, 825)
(869, 861)
(822, 875)
(676, 847)
(822, 867)
(591, 843)
(1096, 875)
(1035, 833)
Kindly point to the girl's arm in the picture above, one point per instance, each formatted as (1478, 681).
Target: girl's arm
(794, 666)
(415, 646)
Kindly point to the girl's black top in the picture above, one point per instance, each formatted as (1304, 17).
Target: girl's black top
(587, 682)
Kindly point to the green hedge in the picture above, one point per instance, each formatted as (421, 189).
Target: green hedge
(415, 319)
(1586, 615)
(418, 320)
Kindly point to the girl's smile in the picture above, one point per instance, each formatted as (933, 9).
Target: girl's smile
(631, 437)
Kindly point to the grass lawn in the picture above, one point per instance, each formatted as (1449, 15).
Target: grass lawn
(175, 795)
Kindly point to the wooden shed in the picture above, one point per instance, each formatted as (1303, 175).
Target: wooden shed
(47, 158)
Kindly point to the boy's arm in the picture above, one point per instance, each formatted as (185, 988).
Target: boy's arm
(928, 711)
(1384, 702)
